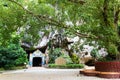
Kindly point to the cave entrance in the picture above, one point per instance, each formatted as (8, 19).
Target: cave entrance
(37, 61)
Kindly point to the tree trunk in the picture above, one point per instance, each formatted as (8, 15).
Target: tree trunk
(105, 12)
(116, 17)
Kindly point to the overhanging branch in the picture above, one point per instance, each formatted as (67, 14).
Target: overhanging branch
(77, 1)
(83, 35)
(52, 21)
(40, 17)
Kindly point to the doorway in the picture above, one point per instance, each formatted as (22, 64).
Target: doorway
(37, 61)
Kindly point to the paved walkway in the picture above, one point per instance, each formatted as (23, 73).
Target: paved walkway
(46, 74)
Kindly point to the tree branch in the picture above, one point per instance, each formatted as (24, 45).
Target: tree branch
(52, 21)
(47, 19)
(77, 1)
(116, 17)
(86, 35)
(105, 11)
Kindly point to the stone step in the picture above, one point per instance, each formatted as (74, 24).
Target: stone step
(92, 72)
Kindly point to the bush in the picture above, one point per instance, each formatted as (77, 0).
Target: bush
(94, 53)
(67, 58)
(75, 58)
(54, 54)
(12, 56)
(112, 49)
(70, 66)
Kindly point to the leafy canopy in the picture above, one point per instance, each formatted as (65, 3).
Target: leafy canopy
(92, 19)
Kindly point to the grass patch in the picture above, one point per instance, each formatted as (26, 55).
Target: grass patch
(2, 69)
(67, 66)
(12, 68)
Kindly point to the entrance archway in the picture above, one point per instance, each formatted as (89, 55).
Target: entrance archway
(37, 61)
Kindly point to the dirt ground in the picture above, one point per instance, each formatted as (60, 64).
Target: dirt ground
(46, 74)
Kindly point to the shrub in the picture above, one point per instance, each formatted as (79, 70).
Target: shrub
(112, 50)
(112, 53)
(12, 56)
(75, 58)
(67, 58)
(70, 66)
(94, 53)
(54, 54)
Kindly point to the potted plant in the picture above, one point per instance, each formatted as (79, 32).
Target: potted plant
(106, 62)
(109, 62)
(107, 65)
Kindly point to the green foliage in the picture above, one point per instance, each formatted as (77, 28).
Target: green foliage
(105, 59)
(70, 66)
(67, 58)
(94, 53)
(97, 20)
(12, 17)
(112, 49)
(54, 54)
(12, 56)
(75, 58)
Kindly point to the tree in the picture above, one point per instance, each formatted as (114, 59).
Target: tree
(12, 56)
(95, 20)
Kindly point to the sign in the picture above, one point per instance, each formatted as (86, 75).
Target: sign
(60, 61)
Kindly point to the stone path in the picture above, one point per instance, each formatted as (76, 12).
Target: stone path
(46, 74)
